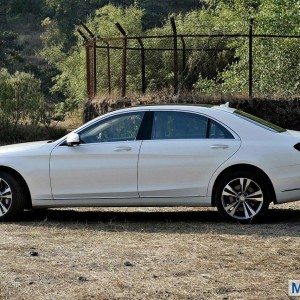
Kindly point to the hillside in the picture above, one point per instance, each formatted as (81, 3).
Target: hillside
(21, 29)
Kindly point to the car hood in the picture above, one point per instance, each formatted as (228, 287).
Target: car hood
(22, 147)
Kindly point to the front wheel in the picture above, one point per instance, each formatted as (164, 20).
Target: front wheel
(242, 197)
(12, 197)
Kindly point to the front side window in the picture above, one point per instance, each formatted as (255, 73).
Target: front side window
(178, 125)
(114, 129)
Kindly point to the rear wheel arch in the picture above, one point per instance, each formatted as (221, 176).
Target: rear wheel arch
(243, 167)
(21, 180)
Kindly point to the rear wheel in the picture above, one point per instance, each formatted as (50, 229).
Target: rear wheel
(242, 197)
(12, 197)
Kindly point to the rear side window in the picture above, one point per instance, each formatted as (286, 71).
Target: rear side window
(178, 125)
(183, 125)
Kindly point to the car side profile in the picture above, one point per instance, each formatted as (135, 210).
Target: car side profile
(165, 155)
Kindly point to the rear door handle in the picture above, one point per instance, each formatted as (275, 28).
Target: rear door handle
(122, 148)
(219, 146)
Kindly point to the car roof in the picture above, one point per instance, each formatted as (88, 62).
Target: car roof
(190, 107)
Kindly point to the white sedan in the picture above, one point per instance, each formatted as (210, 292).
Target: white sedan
(167, 155)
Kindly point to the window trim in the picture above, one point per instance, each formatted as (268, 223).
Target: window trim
(210, 118)
(143, 127)
(146, 126)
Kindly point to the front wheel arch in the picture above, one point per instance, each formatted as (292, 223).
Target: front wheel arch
(243, 167)
(20, 178)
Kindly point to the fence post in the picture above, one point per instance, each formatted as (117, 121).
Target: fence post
(88, 58)
(108, 68)
(124, 59)
(143, 65)
(88, 72)
(91, 69)
(175, 66)
(94, 67)
(183, 58)
(251, 58)
(108, 62)
(91, 61)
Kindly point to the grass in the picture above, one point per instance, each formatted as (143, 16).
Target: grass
(171, 253)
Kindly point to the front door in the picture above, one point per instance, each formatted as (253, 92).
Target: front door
(104, 165)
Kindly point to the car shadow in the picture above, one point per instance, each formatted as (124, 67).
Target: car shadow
(277, 222)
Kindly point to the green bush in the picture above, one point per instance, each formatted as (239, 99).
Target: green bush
(24, 114)
(20, 98)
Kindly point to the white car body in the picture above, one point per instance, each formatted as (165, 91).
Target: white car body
(154, 172)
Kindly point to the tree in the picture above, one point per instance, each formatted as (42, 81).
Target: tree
(276, 61)
(20, 98)
(10, 50)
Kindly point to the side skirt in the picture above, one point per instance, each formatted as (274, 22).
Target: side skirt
(123, 202)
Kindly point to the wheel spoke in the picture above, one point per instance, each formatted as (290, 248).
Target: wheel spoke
(258, 193)
(232, 212)
(230, 189)
(229, 194)
(7, 191)
(3, 209)
(260, 199)
(8, 196)
(245, 211)
(242, 184)
(248, 181)
(250, 209)
(232, 205)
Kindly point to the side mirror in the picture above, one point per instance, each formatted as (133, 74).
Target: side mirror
(73, 139)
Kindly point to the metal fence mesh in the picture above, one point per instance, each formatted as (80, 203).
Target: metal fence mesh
(238, 64)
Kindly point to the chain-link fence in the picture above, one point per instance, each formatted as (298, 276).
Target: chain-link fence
(248, 64)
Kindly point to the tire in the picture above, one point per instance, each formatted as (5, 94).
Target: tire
(242, 197)
(12, 197)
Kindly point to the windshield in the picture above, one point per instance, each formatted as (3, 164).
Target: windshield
(259, 121)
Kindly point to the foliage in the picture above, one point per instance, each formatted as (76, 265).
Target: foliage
(276, 61)
(10, 50)
(22, 105)
(25, 6)
(20, 96)
(71, 81)
(61, 83)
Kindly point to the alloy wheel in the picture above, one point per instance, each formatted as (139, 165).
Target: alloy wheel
(242, 198)
(5, 197)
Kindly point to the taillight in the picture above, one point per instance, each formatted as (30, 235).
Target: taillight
(297, 146)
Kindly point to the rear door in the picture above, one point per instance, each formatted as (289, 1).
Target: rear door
(184, 151)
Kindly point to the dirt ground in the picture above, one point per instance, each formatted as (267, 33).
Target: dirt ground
(147, 253)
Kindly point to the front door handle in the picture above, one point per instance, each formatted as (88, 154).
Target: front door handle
(219, 146)
(122, 148)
